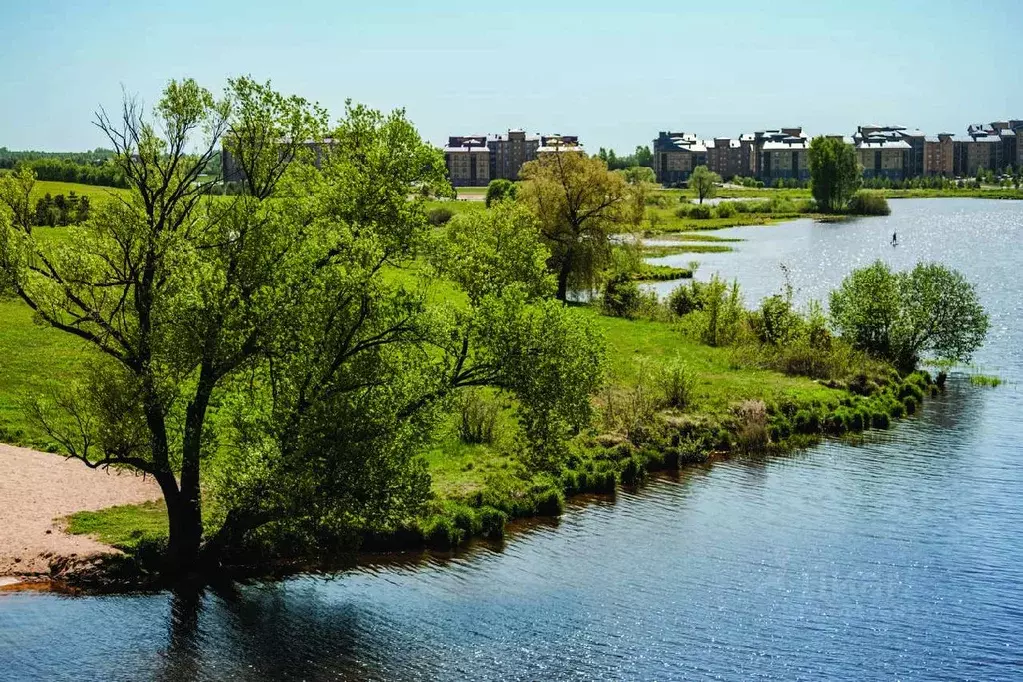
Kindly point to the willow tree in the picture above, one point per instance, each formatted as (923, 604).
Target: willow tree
(579, 205)
(252, 350)
(835, 173)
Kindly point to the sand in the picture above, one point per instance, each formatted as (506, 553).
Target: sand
(37, 489)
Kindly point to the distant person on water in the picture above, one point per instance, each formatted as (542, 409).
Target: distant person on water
(895, 239)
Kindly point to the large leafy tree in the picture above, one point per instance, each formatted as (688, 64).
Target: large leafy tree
(835, 174)
(579, 204)
(254, 350)
(704, 182)
(902, 316)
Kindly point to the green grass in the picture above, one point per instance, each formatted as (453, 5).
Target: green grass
(661, 250)
(94, 192)
(121, 526)
(985, 380)
(34, 359)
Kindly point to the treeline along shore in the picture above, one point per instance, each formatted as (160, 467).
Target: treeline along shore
(338, 357)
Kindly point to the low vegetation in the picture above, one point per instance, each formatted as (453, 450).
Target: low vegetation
(335, 362)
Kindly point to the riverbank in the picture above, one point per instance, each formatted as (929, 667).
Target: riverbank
(38, 490)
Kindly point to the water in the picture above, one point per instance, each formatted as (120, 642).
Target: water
(900, 557)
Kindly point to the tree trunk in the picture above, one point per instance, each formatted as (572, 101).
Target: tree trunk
(563, 273)
(185, 525)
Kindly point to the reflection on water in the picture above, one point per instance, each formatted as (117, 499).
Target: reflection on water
(899, 556)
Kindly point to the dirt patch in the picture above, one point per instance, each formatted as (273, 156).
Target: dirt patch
(37, 489)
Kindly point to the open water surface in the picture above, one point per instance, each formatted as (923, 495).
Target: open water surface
(896, 558)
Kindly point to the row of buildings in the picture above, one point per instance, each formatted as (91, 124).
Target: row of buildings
(892, 152)
(475, 160)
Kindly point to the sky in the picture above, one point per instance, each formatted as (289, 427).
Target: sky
(614, 73)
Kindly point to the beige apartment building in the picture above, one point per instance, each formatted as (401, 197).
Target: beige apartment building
(475, 160)
(939, 155)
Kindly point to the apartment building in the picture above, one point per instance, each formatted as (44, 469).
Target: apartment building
(475, 160)
(883, 157)
(781, 154)
(676, 155)
(727, 157)
(939, 157)
(468, 161)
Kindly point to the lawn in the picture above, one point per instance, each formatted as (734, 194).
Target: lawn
(35, 359)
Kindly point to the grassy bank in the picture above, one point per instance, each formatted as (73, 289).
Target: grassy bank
(739, 399)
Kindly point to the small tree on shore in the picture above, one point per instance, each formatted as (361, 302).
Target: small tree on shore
(704, 182)
(499, 190)
(835, 174)
(901, 316)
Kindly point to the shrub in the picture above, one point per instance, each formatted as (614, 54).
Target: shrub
(492, 522)
(857, 421)
(910, 403)
(865, 202)
(440, 531)
(751, 433)
(622, 296)
(724, 312)
(499, 190)
(478, 417)
(880, 420)
(439, 216)
(686, 298)
(633, 472)
(548, 501)
(806, 421)
(725, 210)
(700, 212)
(676, 382)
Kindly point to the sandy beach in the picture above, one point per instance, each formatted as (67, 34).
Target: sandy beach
(37, 489)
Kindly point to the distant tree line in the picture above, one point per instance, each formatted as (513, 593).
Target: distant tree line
(10, 158)
(58, 211)
(106, 174)
(641, 157)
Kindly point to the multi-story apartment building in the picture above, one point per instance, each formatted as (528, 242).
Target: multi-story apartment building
(725, 157)
(468, 161)
(939, 157)
(913, 153)
(475, 160)
(883, 157)
(676, 155)
(781, 154)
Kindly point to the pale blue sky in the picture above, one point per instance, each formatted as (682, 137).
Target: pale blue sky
(612, 72)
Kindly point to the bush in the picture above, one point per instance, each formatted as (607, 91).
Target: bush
(686, 298)
(633, 472)
(622, 296)
(548, 501)
(441, 532)
(439, 216)
(478, 418)
(880, 420)
(751, 429)
(806, 421)
(676, 382)
(868, 203)
(724, 313)
(492, 522)
(725, 210)
(700, 212)
(498, 190)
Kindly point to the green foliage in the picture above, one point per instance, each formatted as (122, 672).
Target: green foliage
(899, 317)
(834, 173)
(637, 175)
(725, 210)
(723, 312)
(579, 204)
(486, 252)
(704, 182)
(677, 382)
(439, 216)
(499, 190)
(622, 296)
(686, 298)
(864, 202)
(985, 380)
(478, 417)
(60, 211)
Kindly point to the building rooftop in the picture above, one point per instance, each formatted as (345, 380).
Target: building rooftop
(791, 143)
(871, 143)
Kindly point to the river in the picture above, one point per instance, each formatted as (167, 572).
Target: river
(899, 556)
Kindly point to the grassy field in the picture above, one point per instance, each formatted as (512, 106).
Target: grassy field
(36, 359)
